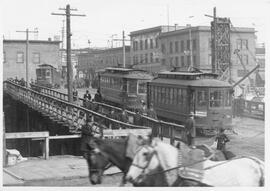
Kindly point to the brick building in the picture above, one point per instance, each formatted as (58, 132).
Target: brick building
(192, 46)
(145, 48)
(89, 63)
(40, 52)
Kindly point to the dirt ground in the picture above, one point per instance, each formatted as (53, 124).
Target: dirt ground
(248, 140)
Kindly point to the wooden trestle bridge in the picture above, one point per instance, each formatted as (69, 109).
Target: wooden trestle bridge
(54, 105)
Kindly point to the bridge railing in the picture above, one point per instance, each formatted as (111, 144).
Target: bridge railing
(54, 105)
(159, 128)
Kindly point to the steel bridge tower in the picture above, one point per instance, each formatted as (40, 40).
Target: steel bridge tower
(221, 46)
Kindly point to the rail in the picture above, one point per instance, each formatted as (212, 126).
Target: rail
(55, 105)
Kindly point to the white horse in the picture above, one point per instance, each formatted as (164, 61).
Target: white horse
(244, 171)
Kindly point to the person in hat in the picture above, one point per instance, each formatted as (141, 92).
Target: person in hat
(143, 110)
(138, 118)
(222, 139)
(151, 112)
(87, 98)
(86, 132)
(190, 130)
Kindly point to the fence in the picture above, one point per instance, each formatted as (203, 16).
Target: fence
(54, 105)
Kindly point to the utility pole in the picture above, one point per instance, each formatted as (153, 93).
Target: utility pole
(68, 51)
(26, 52)
(124, 48)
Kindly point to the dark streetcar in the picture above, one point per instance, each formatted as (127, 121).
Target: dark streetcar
(48, 76)
(124, 87)
(175, 95)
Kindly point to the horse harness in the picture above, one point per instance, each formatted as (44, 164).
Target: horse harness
(96, 169)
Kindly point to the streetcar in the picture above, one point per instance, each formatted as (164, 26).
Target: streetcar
(176, 95)
(48, 76)
(124, 87)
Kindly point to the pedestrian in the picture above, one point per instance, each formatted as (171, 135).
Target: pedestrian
(137, 118)
(151, 112)
(86, 98)
(124, 116)
(190, 130)
(86, 132)
(98, 97)
(221, 140)
(143, 110)
(75, 93)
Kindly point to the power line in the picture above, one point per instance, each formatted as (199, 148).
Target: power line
(26, 52)
(68, 50)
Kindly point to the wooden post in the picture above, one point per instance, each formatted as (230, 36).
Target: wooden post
(47, 148)
(4, 142)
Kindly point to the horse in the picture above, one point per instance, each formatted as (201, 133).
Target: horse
(241, 171)
(102, 153)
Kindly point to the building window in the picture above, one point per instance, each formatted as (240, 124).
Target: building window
(134, 45)
(146, 58)
(176, 61)
(141, 59)
(176, 46)
(151, 57)
(156, 43)
(163, 48)
(209, 59)
(146, 44)
(182, 61)
(151, 43)
(188, 60)
(245, 59)
(182, 46)
(194, 44)
(188, 44)
(242, 44)
(36, 58)
(141, 45)
(194, 60)
(171, 47)
(4, 57)
(20, 57)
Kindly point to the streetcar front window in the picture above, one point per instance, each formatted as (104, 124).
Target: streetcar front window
(227, 98)
(132, 86)
(142, 87)
(215, 98)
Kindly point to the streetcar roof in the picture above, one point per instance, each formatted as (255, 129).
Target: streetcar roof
(194, 83)
(126, 73)
(168, 74)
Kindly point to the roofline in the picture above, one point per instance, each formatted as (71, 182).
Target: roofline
(101, 51)
(31, 41)
(152, 29)
(205, 29)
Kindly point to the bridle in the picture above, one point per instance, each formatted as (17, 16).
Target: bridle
(89, 153)
(149, 159)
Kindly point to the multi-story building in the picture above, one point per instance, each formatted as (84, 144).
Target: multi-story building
(40, 52)
(146, 49)
(191, 46)
(89, 63)
(260, 58)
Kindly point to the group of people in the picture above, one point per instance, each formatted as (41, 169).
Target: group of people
(21, 82)
(221, 138)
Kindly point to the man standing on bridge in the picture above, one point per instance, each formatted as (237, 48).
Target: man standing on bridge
(190, 130)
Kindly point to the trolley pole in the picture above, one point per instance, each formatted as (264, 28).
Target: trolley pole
(68, 51)
(27, 55)
(124, 51)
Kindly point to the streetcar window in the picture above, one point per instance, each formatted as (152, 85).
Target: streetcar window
(201, 98)
(175, 96)
(163, 94)
(180, 97)
(227, 98)
(156, 93)
(142, 88)
(132, 86)
(159, 94)
(215, 98)
(48, 72)
(171, 96)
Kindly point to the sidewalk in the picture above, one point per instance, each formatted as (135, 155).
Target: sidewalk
(57, 168)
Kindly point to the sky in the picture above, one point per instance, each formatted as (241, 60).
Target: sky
(105, 18)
